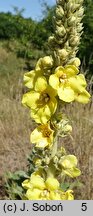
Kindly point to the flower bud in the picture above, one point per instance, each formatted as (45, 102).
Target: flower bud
(79, 27)
(74, 41)
(71, 20)
(62, 53)
(75, 7)
(38, 65)
(59, 12)
(68, 128)
(80, 1)
(51, 41)
(60, 31)
(58, 22)
(47, 62)
(69, 6)
(80, 12)
(75, 61)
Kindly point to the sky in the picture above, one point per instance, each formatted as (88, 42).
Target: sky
(33, 8)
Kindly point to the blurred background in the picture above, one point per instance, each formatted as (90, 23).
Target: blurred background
(25, 26)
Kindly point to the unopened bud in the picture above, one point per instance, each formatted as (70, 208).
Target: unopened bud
(68, 128)
(69, 6)
(60, 31)
(79, 27)
(62, 53)
(38, 65)
(75, 61)
(75, 7)
(80, 12)
(74, 41)
(47, 62)
(80, 1)
(51, 40)
(58, 22)
(59, 12)
(71, 20)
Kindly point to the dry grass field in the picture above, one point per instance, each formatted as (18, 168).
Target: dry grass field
(16, 125)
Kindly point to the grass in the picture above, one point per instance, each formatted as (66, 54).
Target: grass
(16, 126)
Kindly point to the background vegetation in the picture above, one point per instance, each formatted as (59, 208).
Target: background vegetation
(22, 42)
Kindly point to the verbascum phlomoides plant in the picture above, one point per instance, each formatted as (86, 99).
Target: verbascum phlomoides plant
(55, 80)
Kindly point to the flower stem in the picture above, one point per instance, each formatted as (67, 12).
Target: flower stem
(54, 149)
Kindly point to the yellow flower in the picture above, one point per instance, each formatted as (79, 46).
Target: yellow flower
(31, 77)
(82, 97)
(33, 194)
(42, 136)
(68, 195)
(41, 101)
(68, 161)
(68, 164)
(52, 183)
(36, 181)
(68, 84)
(27, 184)
(55, 195)
(40, 189)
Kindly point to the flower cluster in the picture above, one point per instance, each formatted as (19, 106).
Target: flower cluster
(49, 189)
(67, 33)
(65, 82)
(55, 80)
(69, 84)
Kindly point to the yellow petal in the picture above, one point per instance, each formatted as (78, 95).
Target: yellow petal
(55, 195)
(37, 182)
(69, 195)
(33, 194)
(52, 183)
(30, 99)
(29, 79)
(54, 81)
(72, 172)
(81, 80)
(51, 91)
(66, 94)
(39, 65)
(77, 83)
(59, 71)
(52, 105)
(41, 84)
(42, 143)
(27, 184)
(35, 136)
(42, 115)
(71, 70)
(68, 161)
(82, 97)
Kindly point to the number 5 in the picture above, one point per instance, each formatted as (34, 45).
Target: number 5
(84, 207)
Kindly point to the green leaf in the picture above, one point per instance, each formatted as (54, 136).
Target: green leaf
(65, 186)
